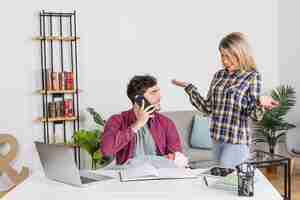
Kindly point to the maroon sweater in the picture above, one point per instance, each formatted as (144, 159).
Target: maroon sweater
(119, 140)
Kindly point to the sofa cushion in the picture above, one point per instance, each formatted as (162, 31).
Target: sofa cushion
(183, 122)
(199, 154)
(200, 137)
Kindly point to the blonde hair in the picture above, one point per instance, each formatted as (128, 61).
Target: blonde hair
(236, 44)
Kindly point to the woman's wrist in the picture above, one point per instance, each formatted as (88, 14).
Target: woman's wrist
(188, 87)
(258, 101)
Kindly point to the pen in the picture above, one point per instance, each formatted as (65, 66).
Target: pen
(205, 180)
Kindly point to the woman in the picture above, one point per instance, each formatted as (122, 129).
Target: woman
(233, 98)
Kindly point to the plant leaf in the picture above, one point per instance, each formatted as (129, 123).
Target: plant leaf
(88, 140)
(273, 126)
(96, 116)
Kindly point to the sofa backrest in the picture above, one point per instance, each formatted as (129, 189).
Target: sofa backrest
(183, 121)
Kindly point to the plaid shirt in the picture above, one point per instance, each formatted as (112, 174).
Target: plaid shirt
(231, 100)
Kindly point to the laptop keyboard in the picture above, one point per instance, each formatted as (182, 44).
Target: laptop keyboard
(85, 180)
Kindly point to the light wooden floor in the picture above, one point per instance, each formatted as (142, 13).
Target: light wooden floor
(2, 194)
(277, 181)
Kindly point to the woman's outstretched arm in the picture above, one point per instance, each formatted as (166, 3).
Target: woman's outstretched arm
(201, 104)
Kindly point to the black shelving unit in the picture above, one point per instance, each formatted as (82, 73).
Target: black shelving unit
(58, 51)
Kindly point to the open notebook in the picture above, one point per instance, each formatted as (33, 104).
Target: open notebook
(151, 170)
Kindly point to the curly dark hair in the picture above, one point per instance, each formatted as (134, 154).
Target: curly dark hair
(139, 84)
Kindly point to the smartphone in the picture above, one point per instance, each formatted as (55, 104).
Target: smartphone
(218, 172)
(139, 101)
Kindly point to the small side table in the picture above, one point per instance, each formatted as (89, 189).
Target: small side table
(262, 159)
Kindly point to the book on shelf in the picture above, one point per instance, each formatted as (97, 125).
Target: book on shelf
(48, 79)
(59, 80)
(60, 108)
(51, 110)
(69, 80)
(55, 81)
(68, 108)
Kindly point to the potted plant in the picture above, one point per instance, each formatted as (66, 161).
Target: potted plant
(274, 127)
(90, 140)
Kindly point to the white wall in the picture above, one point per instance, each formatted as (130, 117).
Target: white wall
(289, 58)
(167, 38)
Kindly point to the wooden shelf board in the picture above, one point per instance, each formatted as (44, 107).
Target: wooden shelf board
(57, 119)
(58, 91)
(56, 38)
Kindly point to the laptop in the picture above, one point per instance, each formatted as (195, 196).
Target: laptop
(59, 164)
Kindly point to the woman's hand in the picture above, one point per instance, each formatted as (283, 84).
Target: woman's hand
(268, 102)
(180, 83)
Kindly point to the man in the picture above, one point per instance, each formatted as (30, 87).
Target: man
(140, 131)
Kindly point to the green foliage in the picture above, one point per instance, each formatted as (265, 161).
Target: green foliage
(273, 127)
(96, 116)
(90, 140)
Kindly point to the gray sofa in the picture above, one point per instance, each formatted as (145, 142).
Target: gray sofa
(183, 121)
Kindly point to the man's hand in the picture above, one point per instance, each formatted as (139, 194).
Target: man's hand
(142, 115)
(170, 156)
(268, 102)
(179, 159)
(179, 83)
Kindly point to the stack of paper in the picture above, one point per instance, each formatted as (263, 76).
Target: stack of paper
(158, 169)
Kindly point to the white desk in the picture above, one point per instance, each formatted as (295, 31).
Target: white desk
(38, 187)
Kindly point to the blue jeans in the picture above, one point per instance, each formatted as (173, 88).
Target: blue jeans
(230, 155)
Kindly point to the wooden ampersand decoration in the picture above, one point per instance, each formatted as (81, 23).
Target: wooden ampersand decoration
(5, 160)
